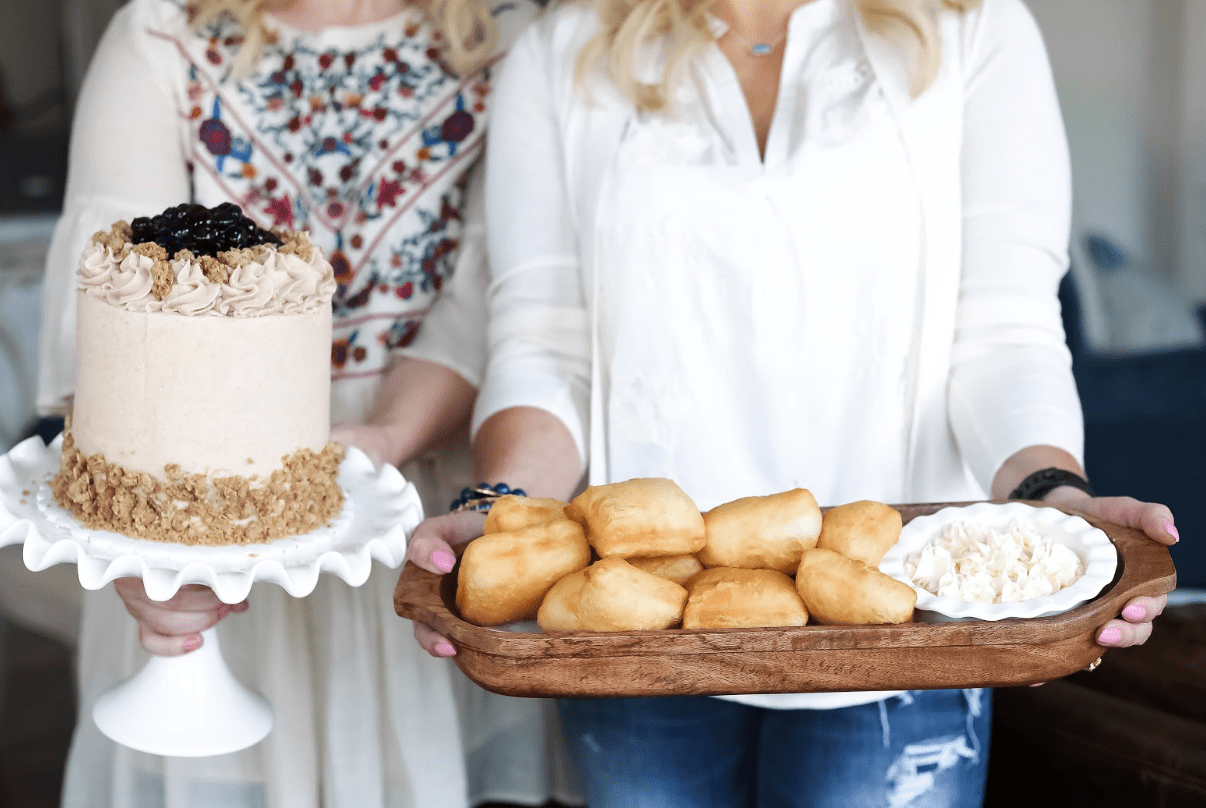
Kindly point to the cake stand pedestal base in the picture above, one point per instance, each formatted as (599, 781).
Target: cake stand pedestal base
(150, 713)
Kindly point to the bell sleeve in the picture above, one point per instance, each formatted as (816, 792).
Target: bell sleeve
(126, 159)
(1011, 383)
(539, 327)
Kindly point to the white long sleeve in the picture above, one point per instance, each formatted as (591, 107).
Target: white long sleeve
(126, 160)
(1011, 384)
(539, 329)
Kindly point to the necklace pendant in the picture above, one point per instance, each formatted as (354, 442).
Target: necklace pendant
(762, 49)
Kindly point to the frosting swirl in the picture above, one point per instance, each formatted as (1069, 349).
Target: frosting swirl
(272, 283)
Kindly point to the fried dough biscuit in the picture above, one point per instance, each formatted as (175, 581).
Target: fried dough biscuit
(677, 568)
(768, 532)
(861, 530)
(504, 576)
(559, 609)
(515, 513)
(727, 597)
(841, 591)
(647, 516)
(612, 595)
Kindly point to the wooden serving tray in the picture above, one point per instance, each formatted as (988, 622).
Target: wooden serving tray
(805, 659)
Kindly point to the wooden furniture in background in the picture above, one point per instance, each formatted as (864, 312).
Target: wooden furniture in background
(1131, 734)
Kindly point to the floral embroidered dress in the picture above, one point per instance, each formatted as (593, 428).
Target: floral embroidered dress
(364, 137)
(364, 144)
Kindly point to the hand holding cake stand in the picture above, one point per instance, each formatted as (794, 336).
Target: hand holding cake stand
(192, 706)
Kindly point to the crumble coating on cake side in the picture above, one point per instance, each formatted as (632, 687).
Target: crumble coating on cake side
(301, 496)
(216, 269)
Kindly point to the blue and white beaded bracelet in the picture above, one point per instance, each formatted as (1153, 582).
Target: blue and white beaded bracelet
(483, 496)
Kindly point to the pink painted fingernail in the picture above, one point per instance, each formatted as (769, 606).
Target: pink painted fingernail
(1109, 636)
(1171, 530)
(1134, 613)
(445, 649)
(192, 642)
(443, 560)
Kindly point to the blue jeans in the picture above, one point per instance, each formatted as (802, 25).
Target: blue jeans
(922, 749)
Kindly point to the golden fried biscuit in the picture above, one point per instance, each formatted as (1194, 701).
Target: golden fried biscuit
(677, 568)
(515, 513)
(504, 576)
(559, 609)
(613, 595)
(861, 530)
(762, 532)
(727, 597)
(841, 591)
(643, 517)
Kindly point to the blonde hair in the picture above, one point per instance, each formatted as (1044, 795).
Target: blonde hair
(466, 26)
(628, 26)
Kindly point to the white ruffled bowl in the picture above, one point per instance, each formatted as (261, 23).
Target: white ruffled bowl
(1090, 544)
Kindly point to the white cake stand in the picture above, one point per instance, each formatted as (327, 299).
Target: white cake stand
(192, 706)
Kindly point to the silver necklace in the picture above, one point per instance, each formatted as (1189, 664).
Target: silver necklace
(757, 48)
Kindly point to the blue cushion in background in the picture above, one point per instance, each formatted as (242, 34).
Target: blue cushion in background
(1145, 432)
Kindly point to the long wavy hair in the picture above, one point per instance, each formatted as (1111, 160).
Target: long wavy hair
(466, 26)
(627, 26)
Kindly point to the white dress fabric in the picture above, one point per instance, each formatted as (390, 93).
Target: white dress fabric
(364, 138)
(867, 311)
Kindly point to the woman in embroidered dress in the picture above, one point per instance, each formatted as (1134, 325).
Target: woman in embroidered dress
(357, 121)
(751, 245)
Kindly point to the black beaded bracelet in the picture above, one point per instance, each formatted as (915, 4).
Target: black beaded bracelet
(483, 496)
(1044, 481)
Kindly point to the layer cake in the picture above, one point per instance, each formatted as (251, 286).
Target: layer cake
(201, 411)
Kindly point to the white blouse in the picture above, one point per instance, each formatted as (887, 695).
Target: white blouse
(868, 311)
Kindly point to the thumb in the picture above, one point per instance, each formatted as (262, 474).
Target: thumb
(434, 543)
(1152, 518)
(359, 436)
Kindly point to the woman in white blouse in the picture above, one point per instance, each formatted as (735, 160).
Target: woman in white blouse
(751, 245)
(358, 121)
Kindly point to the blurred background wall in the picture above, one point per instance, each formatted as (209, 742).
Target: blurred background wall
(1132, 84)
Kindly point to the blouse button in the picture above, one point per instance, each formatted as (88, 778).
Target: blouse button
(847, 77)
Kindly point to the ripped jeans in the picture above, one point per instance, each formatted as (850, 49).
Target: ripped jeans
(922, 749)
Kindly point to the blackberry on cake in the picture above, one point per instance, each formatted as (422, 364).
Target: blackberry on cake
(201, 230)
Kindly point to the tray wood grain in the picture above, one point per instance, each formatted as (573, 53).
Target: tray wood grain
(805, 659)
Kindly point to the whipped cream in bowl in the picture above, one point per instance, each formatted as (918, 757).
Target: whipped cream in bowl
(990, 561)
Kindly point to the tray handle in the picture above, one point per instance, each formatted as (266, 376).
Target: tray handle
(418, 597)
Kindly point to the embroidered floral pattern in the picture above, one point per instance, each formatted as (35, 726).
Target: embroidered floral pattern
(365, 147)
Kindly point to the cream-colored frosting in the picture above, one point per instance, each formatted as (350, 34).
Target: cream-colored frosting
(125, 282)
(214, 395)
(972, 562)
(281, 283)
